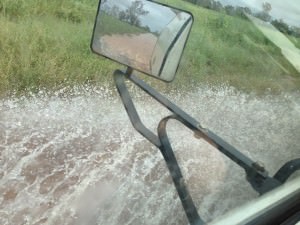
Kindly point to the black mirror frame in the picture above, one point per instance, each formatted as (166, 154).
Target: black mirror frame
(157, 77)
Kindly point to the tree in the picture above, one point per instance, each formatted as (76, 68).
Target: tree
(247, 10)
(239, 11)
(281, 26)
(265, 13)
(267, 7)
(217, 6)
(295, 31)
(230, 10)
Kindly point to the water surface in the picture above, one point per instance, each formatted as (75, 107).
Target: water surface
(76, 159)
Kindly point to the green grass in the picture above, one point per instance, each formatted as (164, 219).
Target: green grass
(47, 53)
(225, 49)
(46, 45)
(43, 50)
(70, 10)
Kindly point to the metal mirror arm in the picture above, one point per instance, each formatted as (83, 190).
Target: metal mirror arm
(160, 142)
(175, 172)
(257, 175)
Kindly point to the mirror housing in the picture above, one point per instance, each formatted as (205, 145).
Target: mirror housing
(143, 35)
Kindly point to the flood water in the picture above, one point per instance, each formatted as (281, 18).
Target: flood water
(76, 159)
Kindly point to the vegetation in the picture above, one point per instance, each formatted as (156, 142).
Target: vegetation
(46, 45)
(231, 50)
(238, 11)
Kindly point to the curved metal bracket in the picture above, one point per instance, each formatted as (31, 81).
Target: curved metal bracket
(257, 175)
(163, 144)
(131, 110)
(287, 170)
(174, 169)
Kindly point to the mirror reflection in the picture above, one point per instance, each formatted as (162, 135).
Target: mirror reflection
(144, 35)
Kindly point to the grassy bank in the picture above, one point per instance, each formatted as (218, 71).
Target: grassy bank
(225, 49)
(46, 45)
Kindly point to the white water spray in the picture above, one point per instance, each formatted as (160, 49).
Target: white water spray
(77, 159)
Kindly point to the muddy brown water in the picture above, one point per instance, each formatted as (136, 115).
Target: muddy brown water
(77, 159)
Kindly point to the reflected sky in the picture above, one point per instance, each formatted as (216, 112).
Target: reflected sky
(288, 10)
(164, 14)
(157, 12)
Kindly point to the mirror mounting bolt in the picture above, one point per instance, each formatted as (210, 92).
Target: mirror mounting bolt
(129, 71)
(259, 166)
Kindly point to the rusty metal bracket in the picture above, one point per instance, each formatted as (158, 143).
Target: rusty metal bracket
(257, 175)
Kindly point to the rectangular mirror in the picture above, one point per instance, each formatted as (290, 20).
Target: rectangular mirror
(141, 34)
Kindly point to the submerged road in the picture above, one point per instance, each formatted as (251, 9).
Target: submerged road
(77, 159)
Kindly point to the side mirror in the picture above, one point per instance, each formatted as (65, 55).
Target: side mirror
(143, 35)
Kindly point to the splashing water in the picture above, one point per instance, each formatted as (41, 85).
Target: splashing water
(77, 159)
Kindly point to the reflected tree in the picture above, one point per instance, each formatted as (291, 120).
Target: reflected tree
(115, 11)
(132, 14)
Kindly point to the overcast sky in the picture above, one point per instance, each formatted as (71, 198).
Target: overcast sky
(288, 10)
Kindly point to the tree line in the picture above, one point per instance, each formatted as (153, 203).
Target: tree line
(239, 11)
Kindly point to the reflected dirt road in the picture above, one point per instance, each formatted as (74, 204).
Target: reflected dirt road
(131, 49)
(77, 160)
